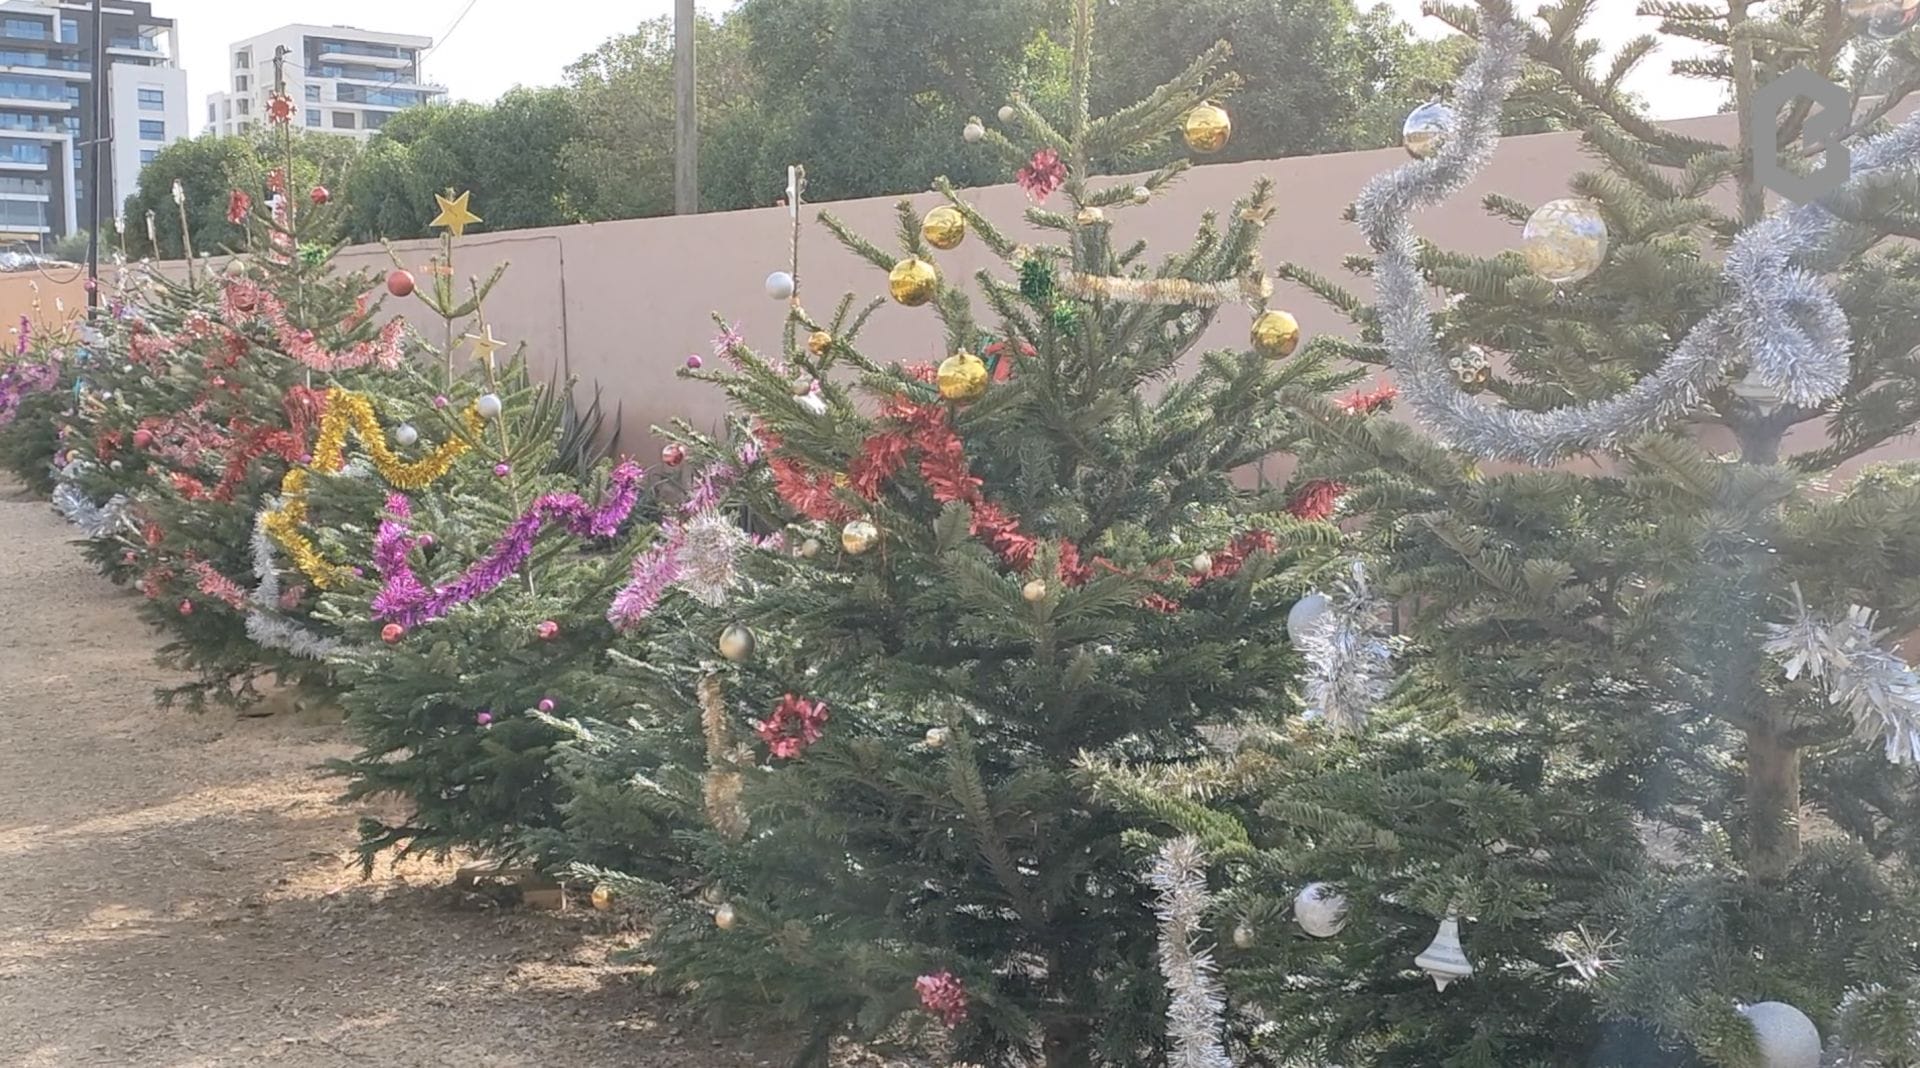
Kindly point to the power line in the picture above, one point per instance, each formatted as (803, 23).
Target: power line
(448, 32)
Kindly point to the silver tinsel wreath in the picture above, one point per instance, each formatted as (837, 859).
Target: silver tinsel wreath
(1781, 319)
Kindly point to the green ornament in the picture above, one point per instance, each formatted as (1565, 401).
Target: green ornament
(1036, 280)
(313, 255)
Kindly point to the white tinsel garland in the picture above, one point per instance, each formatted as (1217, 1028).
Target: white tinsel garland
(1781, 320)
(1349, 655)
(96, 521)
(1195, 1005)
(265, 626)
(1859, 671)
(709, 557)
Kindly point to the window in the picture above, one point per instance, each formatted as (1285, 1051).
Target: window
(343, 120)
(213, 115)
(377, 119)
(23, 213)
(240, 83)
(242, 60)
(243, 106)
(15, 89)
(147, 154)
(31, 186)
(26, 29)
(313, 94)
(153, 130)
(69, 31)
(313, 116)
(153, 100)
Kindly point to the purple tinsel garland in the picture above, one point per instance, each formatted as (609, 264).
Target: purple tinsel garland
(21, 381)
(404, 599)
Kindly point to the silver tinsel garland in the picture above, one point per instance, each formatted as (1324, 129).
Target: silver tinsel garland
(1859, 671)
(265, 626)
(1349, 655)
(1195, 1006)
(96, 521)
(1781, 319)
(709, 556)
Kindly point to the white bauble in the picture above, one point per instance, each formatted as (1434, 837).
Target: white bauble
(405, 434)
(972, 132)
(1787, 1039)
(1301, 617)
(1006, 113)
(488, 405)
(779, 285)
(814, 404)
(1319, 911)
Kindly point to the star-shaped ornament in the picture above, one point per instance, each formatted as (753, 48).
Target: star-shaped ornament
(454, 214)
(484, 343)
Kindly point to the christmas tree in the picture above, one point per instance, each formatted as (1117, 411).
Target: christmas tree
(1645, 800)
(36, 390)
(868, 744)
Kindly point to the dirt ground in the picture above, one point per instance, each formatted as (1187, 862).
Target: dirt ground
(175, 890)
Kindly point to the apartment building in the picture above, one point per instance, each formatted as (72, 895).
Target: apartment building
(342, 80)
(48, 101)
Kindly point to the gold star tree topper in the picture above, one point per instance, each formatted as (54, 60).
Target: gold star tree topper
(454, 214)
(484, 343)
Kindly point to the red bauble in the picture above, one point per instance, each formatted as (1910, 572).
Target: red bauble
(546, 630)
(674, 454)
(186, 608)
(142, 438)
(400, 283)
(392, 633)
(320, 194)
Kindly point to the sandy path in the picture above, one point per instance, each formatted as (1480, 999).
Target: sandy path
(174, 889)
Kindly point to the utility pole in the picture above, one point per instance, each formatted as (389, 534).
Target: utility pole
(96, 146)
(686, 129)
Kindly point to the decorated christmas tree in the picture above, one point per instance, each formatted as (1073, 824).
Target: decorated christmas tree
(867, 741)
(1646, 797)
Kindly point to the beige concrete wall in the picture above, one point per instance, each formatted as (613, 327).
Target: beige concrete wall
(621, 304)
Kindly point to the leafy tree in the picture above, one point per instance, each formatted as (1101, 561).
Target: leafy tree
(207, 168)
(425, 150)
(1319, 77)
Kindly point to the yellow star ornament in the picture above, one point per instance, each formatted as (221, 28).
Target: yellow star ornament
(454, 214)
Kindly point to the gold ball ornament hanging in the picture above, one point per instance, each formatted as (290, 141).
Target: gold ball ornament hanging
(1243, 936)
(859, 536)
(603, 898)
(819, 342)
(810, 548)
(1564, 240)
(736, 642)
(1275, 334)
(1141, 194)
(724, 917)
(1034, 592)
(1207, 129)
(962, 377)
(944, 227)
(1090, 217)
(912, 281)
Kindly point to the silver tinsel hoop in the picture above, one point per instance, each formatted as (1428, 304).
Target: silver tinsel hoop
(1781, 319)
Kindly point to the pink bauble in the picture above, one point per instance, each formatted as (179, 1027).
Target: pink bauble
(483, 718)
(674, 454)
(545, 705)
(546, 630)
(502, 469)
(186, 608)
(392, 632)
(694, 362)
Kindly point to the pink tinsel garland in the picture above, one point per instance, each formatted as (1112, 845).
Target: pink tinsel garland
(241, 300)
(405, 600)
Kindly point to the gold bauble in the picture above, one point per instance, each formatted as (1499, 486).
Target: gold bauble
(736, 642)
(859, 536)
(1275, 334)
(1034, 592)
(810, 548)
(912, 281)
(1564, 240)
(1203, 563)
(603, 898)
(1207, 128)
(962, 377)
(1090, 217)
(819, 342)
(1243, 937)
(944, 227)
(724, 917)
(1141, 194)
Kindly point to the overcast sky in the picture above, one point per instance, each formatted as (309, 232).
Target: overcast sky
(502, 43)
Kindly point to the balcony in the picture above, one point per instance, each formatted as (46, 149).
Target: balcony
(363, 55)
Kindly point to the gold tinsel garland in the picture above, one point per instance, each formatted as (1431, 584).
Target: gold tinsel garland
(724, 784)
(1250, 288)
(346, 411)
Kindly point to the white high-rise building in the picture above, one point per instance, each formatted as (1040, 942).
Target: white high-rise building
(342, 80)
(48, 125)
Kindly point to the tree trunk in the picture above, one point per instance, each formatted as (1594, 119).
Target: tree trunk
(1066, 1045)
(1773, 803)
